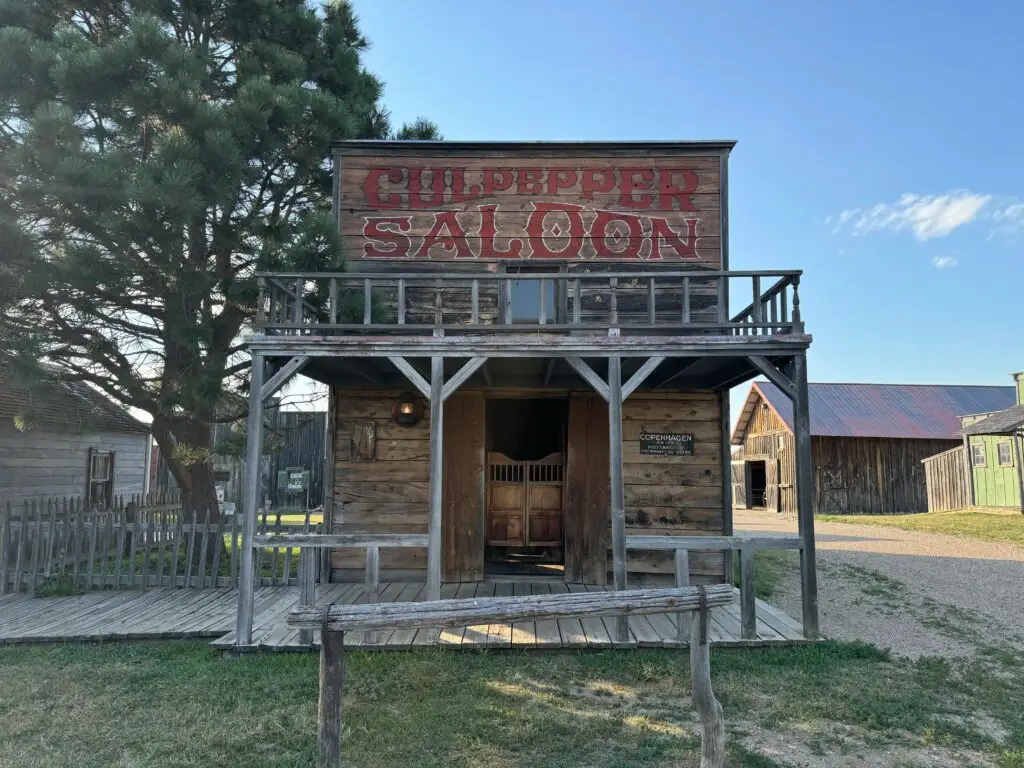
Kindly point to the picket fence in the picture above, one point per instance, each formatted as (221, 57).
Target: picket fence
(61, 546)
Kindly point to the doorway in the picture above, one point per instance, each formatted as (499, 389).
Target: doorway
(525, 486)
(757, 484)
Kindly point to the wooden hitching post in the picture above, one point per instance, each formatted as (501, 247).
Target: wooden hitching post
(712, 742)
(332, 681)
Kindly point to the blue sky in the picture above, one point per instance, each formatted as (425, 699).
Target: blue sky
(837, 107)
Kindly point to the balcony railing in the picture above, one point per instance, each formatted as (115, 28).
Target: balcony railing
(676, 302)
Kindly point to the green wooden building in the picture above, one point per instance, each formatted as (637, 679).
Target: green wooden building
(994, 445)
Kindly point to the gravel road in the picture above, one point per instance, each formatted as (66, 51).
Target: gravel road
(915, 593)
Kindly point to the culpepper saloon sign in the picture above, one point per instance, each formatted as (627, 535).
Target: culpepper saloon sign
(446, 208)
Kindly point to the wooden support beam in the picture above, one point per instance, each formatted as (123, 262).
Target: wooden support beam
(307, 586)
(549, 369)
(372, 583)
(682, 564)
(250, 504)
(462, 376)
(727, 499)
(332, 681)
(486, 371)
(412, 375)
(804, 496)
(669, 376)
(436, 478)
(334, 540)
(712, 741)
(618, 498)
(641, 375)
(774, 375)
(719, 543)
(281, 378)
(589, 375)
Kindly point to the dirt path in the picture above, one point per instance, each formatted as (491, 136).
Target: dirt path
(918, 594)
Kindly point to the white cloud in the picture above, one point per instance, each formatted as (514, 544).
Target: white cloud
(1009, 220)
(927, 216)
(945, 262)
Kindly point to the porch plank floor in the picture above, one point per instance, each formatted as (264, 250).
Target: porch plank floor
(210, 613)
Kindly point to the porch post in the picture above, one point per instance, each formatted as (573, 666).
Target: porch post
(618, 499)
(250, 501)
(436, 466)
(804, 500)
(968, 471)
(727, 500)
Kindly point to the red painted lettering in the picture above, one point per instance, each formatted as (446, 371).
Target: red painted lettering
(630, 184)
(599, 236)
(670, 191)
(685, 248)
(449, 234)
(372, 191)
(461, 193)
(416, 187)
(386, 243)
(530, 181)
(488, 231)
(496, 180)
(560, 178)
(592, 185)
(535, 231)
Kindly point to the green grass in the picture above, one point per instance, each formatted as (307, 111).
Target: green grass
(971, 525)
(183, 705)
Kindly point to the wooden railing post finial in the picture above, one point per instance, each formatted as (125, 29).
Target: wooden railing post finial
(798, 323)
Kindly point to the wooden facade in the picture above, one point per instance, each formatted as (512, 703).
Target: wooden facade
(564, 319)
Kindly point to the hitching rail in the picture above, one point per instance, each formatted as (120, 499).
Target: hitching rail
(335, 620)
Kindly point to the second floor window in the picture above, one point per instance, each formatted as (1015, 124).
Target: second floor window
(527, 296)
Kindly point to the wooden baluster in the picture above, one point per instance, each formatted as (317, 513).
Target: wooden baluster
(37, 543)
(332, 293)
(119, 555)
(508, 302)
(161, 548)
(577, 309)
(93, 531)
(401, 301)
(190, 550)
(651, 314)
(723, 303)
(474, 299)
(438, 311)
(372, 583)
(51, 552)
(261, 297)
(613, 301)
(307, 587)
(19, 548)
(297, 306)
(179, 538)
(203, 547)
(798, 325)
(686, 301)
(748, 617)
(755, 304)
(774, 309)
(542, 315)
(784, 306)
(367, 302)
(218, 544)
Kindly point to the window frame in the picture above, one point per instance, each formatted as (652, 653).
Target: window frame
(975, 455)
(1009, 453)
(104, 484)
(558, 297)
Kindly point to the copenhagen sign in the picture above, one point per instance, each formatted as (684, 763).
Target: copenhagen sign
(666, 444)
(569, 213)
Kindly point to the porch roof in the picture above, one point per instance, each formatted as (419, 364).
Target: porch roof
(1002, 423)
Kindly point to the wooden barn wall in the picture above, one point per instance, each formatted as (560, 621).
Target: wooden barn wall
(665, 495)
(945, 481)
(871, 475)
(768, 437)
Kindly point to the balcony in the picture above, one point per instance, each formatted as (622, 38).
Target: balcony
(622, 303)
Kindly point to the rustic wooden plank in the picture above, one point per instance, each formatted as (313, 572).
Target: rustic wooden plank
(5, 527)
(524, 633)
(332, 676)
(499, 633)
(643, 632)
(203, 547)
(747, 609)
(448, 635)
(404, 637)
(37, 536)
(546, 632)
(190, 547)
(150, 539)
(19, 556)
(570, 630)
(712, 542)
(336, 540)
(593, 627)
(682, 567)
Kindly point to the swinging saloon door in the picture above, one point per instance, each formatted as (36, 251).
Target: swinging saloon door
(525, 501)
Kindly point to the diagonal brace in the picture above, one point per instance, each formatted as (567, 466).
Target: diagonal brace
(589, 375)
(461, 376)
(774, 375)
(641, 375)
(412, 375)
(280, 378)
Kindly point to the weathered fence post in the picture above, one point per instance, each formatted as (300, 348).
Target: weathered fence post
(332, 681)
(748, 616)
(712, 742)
(682, 562)
(307, 586)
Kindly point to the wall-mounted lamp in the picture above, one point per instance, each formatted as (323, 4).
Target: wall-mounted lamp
(406, 411)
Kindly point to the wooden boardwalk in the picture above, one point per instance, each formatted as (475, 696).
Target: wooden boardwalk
(202, 613)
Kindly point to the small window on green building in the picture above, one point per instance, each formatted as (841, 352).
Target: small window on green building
(1003, 452)
(978, 455)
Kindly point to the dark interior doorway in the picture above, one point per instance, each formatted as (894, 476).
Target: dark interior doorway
(525, 493)
(757, 484)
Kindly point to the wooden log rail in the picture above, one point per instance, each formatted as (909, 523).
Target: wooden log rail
(313, 302)
(745, 545)
(309, 543)
(334, 621)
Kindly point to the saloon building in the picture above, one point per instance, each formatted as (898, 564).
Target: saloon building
(529, 355)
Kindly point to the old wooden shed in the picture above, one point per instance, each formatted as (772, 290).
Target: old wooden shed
(867, 443)
(529, 357)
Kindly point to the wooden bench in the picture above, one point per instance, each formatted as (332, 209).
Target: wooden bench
(334, 621)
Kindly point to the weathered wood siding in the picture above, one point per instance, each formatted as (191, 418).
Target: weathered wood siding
(664, 494)
(867, 475)
(44, 463)
(944, 480)
(673, 495)
(769, 439)
(995, 485)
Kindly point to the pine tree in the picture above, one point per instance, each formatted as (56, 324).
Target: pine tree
(153, 156)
